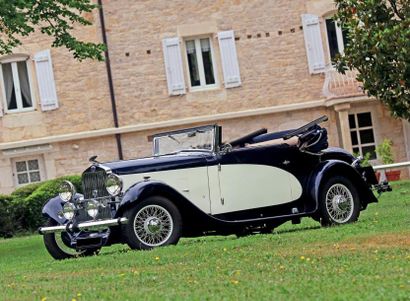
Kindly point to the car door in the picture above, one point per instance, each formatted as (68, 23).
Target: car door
(249, 178)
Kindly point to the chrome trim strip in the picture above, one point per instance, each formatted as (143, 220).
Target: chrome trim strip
(94, 225)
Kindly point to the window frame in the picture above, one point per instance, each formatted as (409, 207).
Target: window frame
(41, 169)
(16, 81)
(357, 130)
(339, 37)
(197, 40)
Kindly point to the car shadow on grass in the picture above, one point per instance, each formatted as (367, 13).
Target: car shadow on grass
(191, 241)
(306, 228)
(210, 239)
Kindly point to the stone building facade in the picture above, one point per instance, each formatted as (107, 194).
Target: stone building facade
(241, 64)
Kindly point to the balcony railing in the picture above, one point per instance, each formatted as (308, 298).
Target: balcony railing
(339, 85)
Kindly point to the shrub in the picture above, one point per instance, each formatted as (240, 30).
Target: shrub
(17, 208)
(6, 220)
(26, 190)
(35, 202)
(21, 211)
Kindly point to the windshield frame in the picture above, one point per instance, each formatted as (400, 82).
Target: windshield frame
(215, 143)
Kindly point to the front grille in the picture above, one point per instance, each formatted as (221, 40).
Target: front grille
(94, 184)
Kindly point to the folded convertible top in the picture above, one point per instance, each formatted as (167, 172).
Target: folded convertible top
(271, 136)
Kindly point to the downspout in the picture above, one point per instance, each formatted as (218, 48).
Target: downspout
(110, 81)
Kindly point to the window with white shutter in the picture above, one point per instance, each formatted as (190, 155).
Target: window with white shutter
(336, 37)
(173, 66)
(1, 109)
(200, 63)
(16, 85)
(229, 59)
(313, 43)
(45, 80)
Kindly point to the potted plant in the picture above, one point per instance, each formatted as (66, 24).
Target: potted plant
(384, 152)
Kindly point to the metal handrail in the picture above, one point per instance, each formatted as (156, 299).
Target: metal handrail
(394, 165)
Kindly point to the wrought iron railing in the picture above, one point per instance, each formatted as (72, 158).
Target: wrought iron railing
(341, 85)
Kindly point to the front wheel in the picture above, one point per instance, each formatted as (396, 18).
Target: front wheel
(154, 222)
(58, 245)
(339, 202)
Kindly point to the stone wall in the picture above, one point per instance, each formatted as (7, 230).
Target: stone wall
(82, 91)
(273, 66)
(270, 46)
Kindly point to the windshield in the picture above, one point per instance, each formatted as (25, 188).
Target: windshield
(190, 139)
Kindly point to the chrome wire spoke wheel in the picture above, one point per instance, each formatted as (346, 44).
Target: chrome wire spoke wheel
(64, 247)
(339, 203)
(153, 225)
(59, 244)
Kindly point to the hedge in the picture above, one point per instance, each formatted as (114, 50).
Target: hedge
(20, 212)
(6, 221)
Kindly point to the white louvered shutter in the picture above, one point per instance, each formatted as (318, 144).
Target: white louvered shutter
(173, 66)
(3, 100)
(313, 43)
(229, 58)
(1, 105)
(45, 80)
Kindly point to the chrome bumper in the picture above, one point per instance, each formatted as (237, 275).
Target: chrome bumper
(91, 226)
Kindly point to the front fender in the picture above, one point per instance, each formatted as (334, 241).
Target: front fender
(193, 217)
(144, 189)
(329, 168)
(141, 190)
(54, 206)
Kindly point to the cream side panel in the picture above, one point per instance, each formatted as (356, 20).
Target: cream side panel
(214, 186)
(295, 186)
(190, 182)
(248, 186)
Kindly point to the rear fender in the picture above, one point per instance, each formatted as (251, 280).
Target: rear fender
(336, 153)
(329, 168)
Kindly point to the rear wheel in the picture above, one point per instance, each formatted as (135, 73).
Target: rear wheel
(154, 222)
(58, 245)
(339, 202)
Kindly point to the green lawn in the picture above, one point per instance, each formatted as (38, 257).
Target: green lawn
(368, 260)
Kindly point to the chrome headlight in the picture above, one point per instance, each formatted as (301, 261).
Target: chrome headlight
(113, 184)
(92, 208)
(67, 191)
(68, 210)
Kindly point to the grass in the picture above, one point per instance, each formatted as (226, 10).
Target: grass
(368, 260)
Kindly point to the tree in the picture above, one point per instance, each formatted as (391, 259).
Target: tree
(55, 18)
(379, 48)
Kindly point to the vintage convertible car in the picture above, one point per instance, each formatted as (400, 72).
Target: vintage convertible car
(194, 185)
